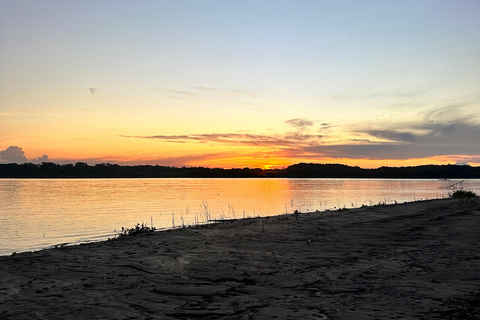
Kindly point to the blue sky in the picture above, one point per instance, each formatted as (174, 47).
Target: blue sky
(240, 83)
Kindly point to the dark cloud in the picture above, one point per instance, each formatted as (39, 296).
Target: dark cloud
(393, 135)
(41, 159)
(432, 133)
(13, 154)
(417, 141)
(385, 151)
(454, 133)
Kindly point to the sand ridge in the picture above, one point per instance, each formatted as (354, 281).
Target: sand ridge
(382, 262)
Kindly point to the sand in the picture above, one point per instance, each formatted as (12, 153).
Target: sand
(382, 262)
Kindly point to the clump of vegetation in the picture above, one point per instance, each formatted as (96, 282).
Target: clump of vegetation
(463, 194)
(138, 229)
(462, 309)
(465, 198)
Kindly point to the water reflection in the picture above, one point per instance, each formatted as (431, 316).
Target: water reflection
(43, 212)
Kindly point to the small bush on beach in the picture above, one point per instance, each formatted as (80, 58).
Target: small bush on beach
(463, 194)
(465, 198)
(138, 229)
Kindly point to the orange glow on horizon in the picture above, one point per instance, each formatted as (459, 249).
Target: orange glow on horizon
(280, 163)
(124, 151)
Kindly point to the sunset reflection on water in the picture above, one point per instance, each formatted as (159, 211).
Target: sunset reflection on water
(38, 213)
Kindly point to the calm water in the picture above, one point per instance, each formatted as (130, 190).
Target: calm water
(36, 214)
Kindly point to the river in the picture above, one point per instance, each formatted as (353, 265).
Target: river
(40, 213)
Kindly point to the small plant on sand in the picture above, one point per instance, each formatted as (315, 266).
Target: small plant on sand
(296, 213)
(463, 194)
(465, 198)
(138, 229)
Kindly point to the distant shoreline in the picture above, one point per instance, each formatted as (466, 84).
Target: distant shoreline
(301, 170)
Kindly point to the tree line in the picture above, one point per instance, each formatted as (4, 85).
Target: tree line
(301, 170)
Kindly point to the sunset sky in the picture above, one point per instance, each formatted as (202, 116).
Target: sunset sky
(240, 83)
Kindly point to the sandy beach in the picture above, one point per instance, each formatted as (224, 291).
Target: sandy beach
(382, 262)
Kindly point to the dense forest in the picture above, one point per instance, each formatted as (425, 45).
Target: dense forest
(301, 170)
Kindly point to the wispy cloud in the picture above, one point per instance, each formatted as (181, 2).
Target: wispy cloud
(245, 139)
(466, 111)
(175, 93)
(236, 96)
(28, 114)
(205, 91)
(300, 123)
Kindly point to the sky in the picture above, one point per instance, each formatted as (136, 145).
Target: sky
(238, 84)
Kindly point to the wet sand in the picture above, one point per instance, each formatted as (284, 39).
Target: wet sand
(383, 262)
